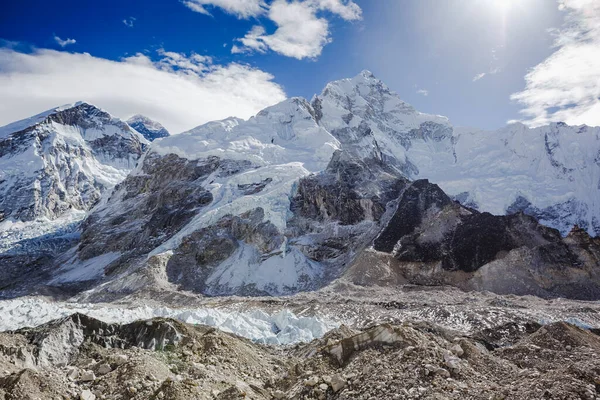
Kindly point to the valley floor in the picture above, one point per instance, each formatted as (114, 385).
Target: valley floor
(343, 342)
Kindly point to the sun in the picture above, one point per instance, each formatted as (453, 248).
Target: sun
(502, 6)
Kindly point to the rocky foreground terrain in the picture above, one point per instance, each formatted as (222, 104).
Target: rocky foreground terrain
(416, 343)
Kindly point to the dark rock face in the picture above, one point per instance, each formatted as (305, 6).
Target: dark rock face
(475, 239)
(156, 204)
(343, 192)
(338, 212)
(415, 201)
(331, 200)
(203, 250)
(430, 229)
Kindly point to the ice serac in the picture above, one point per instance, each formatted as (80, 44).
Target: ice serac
(150, 129)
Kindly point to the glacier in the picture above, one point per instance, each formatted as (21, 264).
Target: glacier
(280, 328)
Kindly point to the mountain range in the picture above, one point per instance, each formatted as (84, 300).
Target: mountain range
(355, 186)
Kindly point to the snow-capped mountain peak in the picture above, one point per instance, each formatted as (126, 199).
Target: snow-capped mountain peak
(149, 128)
(62, 160)
(34, 120)
(284, 133)
(550, 172)
(371, 121)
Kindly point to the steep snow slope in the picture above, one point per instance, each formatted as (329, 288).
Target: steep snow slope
(150, 129)
(56, 165)
(550, 172)
(284, 133)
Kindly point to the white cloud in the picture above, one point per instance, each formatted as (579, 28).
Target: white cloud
(300, 33)
(129, 22)
(179, 91)
(423, 92)
(492, 71)
(182, 63)
(346, 9)
(252, 41)
(64, 43)
(479, 76)
(566, 86)
(239, 8)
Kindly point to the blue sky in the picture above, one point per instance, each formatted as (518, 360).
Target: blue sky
(459, 58)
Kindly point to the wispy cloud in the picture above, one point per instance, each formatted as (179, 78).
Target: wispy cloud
(566, 86)
(64, 43)
(240, 8)
(129, 22)
(479, 76)
(252, 41)
(179, 90)
(423, 92)
(482, 75)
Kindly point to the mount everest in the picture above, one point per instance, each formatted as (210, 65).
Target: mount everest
(150, 129)
(298, 196)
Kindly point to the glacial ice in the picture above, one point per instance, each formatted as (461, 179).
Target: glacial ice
(281, 328)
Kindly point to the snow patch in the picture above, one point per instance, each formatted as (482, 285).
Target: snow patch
(276, 275)
(79, 271)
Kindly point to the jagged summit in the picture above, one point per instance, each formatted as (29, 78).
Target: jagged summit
(81, 114)
(149, 128)
(372, 122)
(62, 160)
(36, 119)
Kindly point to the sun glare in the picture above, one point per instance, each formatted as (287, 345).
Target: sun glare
(502, 5)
